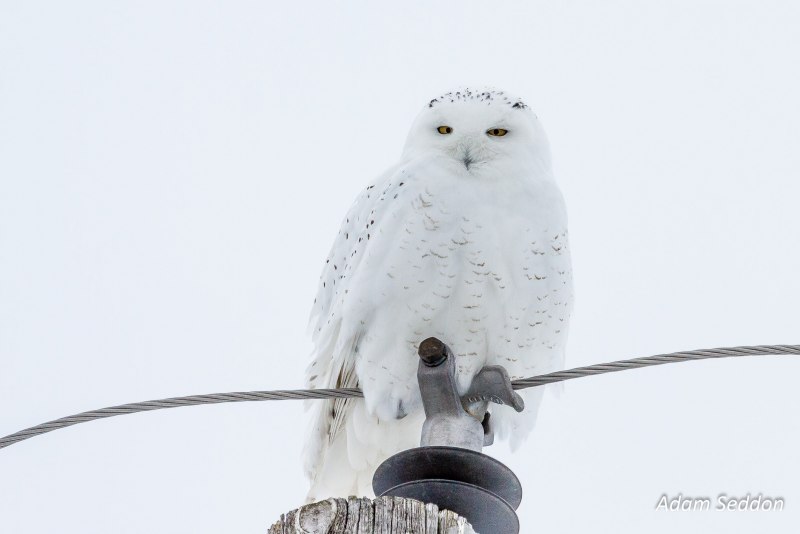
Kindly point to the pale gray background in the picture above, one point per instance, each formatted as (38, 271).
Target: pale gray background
(173, 173)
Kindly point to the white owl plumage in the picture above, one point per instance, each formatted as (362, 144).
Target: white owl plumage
(464, 239)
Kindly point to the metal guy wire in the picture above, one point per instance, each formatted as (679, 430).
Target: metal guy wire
(303, 394)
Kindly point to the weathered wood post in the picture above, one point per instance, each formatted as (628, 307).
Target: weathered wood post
(384, 515)
(444, 486)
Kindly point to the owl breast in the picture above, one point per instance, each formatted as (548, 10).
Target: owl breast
(481, 262)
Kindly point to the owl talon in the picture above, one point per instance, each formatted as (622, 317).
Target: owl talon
(488, 431)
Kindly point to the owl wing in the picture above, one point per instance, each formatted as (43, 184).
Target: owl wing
(336, 340)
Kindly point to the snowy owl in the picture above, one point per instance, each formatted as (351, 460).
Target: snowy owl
(464, 239)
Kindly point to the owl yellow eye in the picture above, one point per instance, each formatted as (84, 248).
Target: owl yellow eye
(497, 132)
(444, 130)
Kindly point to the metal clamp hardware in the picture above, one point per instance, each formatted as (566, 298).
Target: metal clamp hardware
(451, 420)
(449, 469)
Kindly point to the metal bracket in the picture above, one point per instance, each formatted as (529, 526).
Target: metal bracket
(449, 469)
(451, 420)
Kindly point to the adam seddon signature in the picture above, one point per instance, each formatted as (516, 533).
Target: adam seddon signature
(723, 503)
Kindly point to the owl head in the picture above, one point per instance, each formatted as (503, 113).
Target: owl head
(481, 132)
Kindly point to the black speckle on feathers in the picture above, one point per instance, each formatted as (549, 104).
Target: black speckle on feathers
(485, 96)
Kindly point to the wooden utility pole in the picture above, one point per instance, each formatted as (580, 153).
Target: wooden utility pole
(384, 515)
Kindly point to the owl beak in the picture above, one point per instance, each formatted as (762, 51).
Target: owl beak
(467, 160)
(468, 153)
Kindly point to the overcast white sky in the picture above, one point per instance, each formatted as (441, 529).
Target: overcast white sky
(173, 173)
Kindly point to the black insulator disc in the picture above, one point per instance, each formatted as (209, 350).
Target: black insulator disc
(485, 511)
(449, 463)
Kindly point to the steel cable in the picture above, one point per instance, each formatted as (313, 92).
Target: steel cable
(304, 394)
